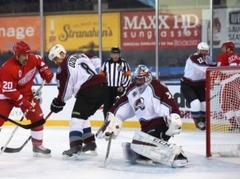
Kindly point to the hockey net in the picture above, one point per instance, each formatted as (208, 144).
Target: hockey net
(223, 111)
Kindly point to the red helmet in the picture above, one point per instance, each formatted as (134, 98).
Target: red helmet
(21, 48)
(228, 44)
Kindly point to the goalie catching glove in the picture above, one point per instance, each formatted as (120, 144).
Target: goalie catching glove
(174, 123)
(112, 126)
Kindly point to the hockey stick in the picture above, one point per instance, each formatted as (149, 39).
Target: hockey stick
(36, 93)
(108, 149)
(27, 126)
(15, 150)
(24, 126)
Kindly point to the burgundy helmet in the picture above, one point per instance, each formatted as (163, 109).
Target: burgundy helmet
(21, 48)
(228, 44)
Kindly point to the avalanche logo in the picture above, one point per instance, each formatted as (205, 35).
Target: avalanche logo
(139, 104)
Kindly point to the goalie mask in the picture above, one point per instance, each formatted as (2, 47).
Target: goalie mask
(174, 124)
(142, 77)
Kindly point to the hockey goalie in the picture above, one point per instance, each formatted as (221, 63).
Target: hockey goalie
(152, 103)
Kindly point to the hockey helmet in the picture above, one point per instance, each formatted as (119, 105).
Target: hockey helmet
(229, 45)
(55, 51)
(142, 72)
(203, 46)
(21, 48)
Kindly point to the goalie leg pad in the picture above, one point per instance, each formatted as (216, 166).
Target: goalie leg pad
(155, 149)
(128, 153)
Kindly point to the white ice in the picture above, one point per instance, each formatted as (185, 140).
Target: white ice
(24, 165)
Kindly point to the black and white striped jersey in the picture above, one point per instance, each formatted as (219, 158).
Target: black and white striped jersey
(117, 73)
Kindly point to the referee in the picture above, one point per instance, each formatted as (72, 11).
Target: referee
(118, 75)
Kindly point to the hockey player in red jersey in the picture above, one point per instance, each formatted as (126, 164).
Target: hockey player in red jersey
(16, 80)
(230, 86)
(228, 57)
(193, 83)
(77, 77)
(155, 108)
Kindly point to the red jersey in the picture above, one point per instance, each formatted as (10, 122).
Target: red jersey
(228, 59)
(17, 79)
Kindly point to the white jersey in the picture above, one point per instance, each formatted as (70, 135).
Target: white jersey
(154, 102)
(73, 73)
(195, 70)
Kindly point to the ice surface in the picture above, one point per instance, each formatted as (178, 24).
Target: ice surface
(24, 165)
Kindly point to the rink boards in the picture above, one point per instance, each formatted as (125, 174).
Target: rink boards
(62, 118)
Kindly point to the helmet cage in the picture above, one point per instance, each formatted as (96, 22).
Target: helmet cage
(142, 72)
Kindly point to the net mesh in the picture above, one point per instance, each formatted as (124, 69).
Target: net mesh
(224, 117)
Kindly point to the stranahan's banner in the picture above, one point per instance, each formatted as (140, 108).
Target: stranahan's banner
(177, 29)
(80, 32)
(13, 29)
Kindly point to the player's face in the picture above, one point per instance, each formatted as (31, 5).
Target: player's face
(140, 81)
(204, 52)
(23, 58)
(115, 56)
(224, 49)
(57, 61)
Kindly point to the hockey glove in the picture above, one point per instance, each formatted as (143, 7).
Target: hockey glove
(112, 126)
(46, 73)
(57, 105)
(174, 124)
(25, 105)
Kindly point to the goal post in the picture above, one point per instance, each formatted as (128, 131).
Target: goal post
(223, 111)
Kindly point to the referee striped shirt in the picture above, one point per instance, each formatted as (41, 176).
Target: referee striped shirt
(117, 73)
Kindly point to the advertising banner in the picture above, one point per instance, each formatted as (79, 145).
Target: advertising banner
(226, 26)
(177, 29)
(13, 29)
(80, 32)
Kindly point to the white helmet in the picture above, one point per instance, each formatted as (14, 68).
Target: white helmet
(55, 51)
(203, 46)
(174, 124)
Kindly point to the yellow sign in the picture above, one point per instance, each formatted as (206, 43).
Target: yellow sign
(80, 32)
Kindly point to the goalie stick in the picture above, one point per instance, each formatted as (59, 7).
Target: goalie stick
(15, 150)
(108, 148)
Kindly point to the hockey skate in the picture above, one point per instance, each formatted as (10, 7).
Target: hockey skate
(40, 151)
(90, 148)
(200, 123)
(72, 153)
